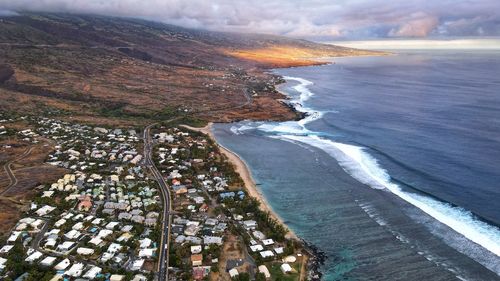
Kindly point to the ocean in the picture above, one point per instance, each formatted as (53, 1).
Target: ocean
(394, 173)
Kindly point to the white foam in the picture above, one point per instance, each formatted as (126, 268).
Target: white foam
(305, 93)
(245, 128)
(293, 127)
(363, 167)
(284, 128)
(372, 213)
(235, 130)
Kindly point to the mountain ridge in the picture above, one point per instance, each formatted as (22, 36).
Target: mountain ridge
(124, 68)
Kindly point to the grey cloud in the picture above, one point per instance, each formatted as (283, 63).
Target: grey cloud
(7, 13)
(307, 19)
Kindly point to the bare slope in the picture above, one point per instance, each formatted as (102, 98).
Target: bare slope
(100, 68)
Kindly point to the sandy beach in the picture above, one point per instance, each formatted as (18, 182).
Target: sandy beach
(242, 169)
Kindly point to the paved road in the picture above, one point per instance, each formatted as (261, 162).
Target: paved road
(35, 244)
(8, 169)
(167, 206)
(165, 190)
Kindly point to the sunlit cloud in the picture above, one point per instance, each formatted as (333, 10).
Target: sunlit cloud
(414, 44)
(419, 25)
(320, 19)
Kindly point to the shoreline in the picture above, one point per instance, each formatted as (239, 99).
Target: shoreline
(314, 258)
(309, 248)
(280, 89)
(244, 171)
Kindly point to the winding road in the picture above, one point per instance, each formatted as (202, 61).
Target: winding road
(8, 169)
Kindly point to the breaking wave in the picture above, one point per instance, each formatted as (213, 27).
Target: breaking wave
(365, 168)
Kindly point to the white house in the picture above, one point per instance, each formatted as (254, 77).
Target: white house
(97, 241)
(64, 247)
(84, 251)
(114, 248)
(137, 265)
(250, 224)
(266, 254)
(112, 225)
(51, 242)
(2, 264)
(263, 269)
(92, 272)
(256, 248)
(75, 270)
(196, 249)
(286, 268)
(62, 265)
(116, 277)
(5, 249)
(259, 235)
(60, 222)
(53, 231)
(72, 234)
(267, 242)
(33, 257)
(146, 253)
(104, 233)
(78, 226)
(44, 210)
(13, 236)
(233, 272)
(48, 261)
(207, 240)
(145, 243)
(107, 256)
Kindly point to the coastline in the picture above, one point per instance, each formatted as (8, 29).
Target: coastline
(314, 258)
(376, 199)
(242, 169)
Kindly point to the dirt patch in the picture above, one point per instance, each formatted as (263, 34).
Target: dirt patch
(166, 72)
(10, 213)
(29, 171)
(233, 249)
(30, 177)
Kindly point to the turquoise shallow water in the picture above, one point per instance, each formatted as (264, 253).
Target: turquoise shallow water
(367, 234)
(367, 176)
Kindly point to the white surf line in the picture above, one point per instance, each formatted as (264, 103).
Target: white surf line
(365, 168)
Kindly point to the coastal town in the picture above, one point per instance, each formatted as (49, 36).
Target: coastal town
(249, 140)
(108, 217)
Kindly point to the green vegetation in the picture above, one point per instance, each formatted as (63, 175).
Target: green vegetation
(17, 266)
(268, 225)
(173, 115)
(260, 277)
(190, 121)
(9, 132)
(242, 277)
(278, 275)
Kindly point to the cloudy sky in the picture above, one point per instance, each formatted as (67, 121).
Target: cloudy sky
(312, 19)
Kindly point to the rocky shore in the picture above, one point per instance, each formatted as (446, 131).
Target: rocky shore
(316, 260)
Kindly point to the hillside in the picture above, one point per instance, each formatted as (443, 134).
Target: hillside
(105, 69)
